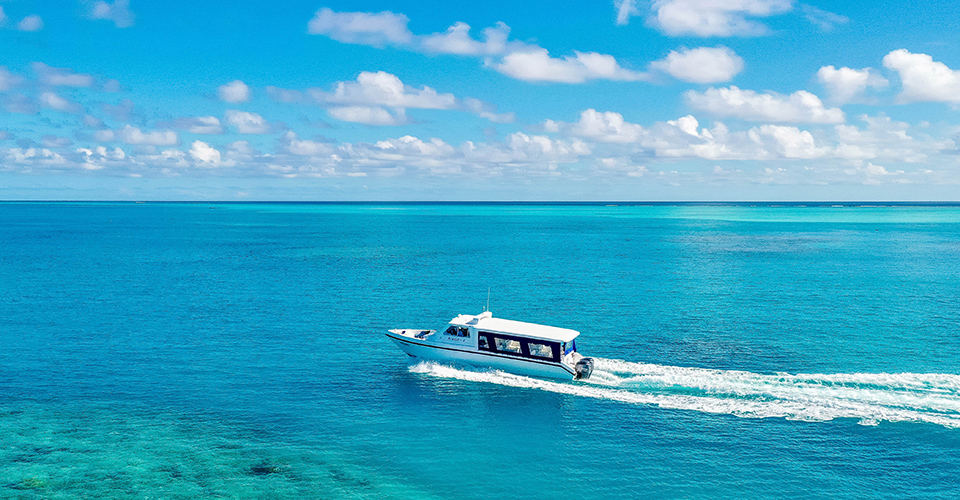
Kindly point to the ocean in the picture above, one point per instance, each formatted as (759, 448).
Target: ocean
(217, 350)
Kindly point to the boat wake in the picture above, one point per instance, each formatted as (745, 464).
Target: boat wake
(868, 397)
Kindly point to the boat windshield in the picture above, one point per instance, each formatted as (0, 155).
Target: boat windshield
(458, 331)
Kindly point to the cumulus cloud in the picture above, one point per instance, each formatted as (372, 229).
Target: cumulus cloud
(366, 28)
(367, 115)
(512, 58)
(487, 111)
(536, 65)
(408, 146)
(535, 152)
(883, 138)
(625, 9)
(291, 143)
(118, 12)
(381, 98)
(457, 40)
(787, 142)
(31, 23)
(799, 107)
(134, 136)
(103, 153)
(701, 65)
(708, 18)
(34, 156)
(61, 77)
(385, 89)
(203, 125)
(607, 126)
(846, 84)
(234, 92)
(203, 152)
(98, 157)
(248, 123)
(923, 78)
(52, 100)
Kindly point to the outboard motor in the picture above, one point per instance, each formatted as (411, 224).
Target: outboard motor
(584, 368)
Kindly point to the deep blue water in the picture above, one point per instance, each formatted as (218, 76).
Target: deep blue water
(237, 350)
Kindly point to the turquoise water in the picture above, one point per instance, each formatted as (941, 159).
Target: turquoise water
(236, 351)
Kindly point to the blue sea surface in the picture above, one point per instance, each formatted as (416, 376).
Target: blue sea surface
(166, 350)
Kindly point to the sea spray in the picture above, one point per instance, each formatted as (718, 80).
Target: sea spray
(867, 397)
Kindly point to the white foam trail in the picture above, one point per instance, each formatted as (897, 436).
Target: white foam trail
(867, 397)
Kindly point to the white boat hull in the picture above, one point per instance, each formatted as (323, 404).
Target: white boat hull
(452, 354)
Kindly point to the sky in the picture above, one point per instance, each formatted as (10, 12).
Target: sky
(627, 100)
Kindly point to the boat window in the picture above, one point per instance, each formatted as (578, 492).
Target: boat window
(507, 345)
(458, 331)
(482, 343)
(540, 350)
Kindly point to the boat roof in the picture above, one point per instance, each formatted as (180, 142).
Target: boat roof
(485, 321)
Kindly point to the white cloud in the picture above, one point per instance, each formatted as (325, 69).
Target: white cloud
(247, 123)
(368, 115)
(457, 40)
(846, 84)
(923, 78)
(487, 111)
(625, 9)
(8, 80)
(102, 152)
(104, 135)
(536, 65)
(886, 139)
(606, 127)
(534, 153)
(242, 148)
(826, 20)
(799, 107)
(204, 153)
(787, 142)
(292, 144)
(384, 89)
(234, 92)
(873, 175)
(133, 135)
(366, 28)
(55, 142)
(381, 98)
(118, 12)
(203, 125)
(39, 156)
(412, 146)
(701, 65)
(30, 23)
(707, 18)
(61, 77)
(96, 158)
(52, 100)
(512, 58)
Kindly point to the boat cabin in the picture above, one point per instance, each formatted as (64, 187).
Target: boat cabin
(513, 338)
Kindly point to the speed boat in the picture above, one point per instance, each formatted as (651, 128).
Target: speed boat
(511, 346)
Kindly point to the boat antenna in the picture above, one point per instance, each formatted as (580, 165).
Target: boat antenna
(488, 300)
